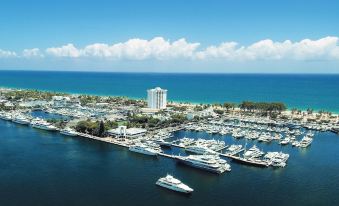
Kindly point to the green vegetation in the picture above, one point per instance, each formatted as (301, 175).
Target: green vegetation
(219, 111)
(229, 105)
(60, 123)
(98, 128)
(30, 94)
(264, 107)
(198, 108)
(178, 119)
(144, 121)
(179, 108)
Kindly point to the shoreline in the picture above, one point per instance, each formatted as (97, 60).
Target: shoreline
(178, 102)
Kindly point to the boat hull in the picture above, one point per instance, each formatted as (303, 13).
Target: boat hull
(6, 118)
(68, 134)
(44, 128)
(145, 152)
(21, 122)
(246, 162)
(172, 188)
(201, 167)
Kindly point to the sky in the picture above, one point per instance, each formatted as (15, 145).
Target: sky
(229, 36)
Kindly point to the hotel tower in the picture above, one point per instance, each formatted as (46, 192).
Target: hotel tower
(157, 98)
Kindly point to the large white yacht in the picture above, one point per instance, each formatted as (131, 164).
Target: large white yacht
(42, 124)
(199, 149)
(143, 149)
(305, 141)
(174, 184)
(253, 152)
(212, 163)
(20, 119)
(69, 132)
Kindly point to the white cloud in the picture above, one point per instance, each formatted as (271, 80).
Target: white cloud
(7, 54)
(158, 48)
(68, 50)
(35, 52)
(323, 49)
(133, 49)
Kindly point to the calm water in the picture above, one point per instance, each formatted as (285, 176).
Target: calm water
(301, 91)
(44, 168)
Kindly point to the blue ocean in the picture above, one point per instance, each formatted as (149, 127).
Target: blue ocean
(302, 91)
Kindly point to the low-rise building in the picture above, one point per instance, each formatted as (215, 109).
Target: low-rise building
(124, 132)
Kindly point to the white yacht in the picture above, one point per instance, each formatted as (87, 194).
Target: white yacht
(285, 141)
(234, 149)
(153, 145)
(199, 149)
(305, 142)
(20, 119)
(174, 184)
(5, 116)
(253, 152)
(42, 124)
(276, 159)
(69, 132)
(212, 163)
(143, 149)
(163, 143)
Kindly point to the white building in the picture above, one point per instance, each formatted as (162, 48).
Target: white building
(157, 98)
(124, 132)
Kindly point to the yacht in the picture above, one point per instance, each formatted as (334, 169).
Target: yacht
(335, 129)
(305, 142)
(253, 152)
(285, 141)
(20, 119)
(184, 142)
(295, 144)
(5, 116)
(276, 159)
(153, 145)
(163, 143)
(69, 132)
(174, 184)
(42, 124)
(234, 149)
(143, 149)
(199, 149)
(212, 163)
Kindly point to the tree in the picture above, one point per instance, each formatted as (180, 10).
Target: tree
(101, 129)
(309, 111)
(218, 111)
(86, 126)
(228, 106)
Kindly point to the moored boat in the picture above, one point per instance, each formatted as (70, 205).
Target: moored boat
(211, 163)
(143, 149)
(42, 124)
(174, 184)
(69, 132)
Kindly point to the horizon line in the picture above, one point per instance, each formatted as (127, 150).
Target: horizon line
(168, 72)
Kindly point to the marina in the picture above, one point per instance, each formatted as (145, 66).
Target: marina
(212, 144)
(204, 147)
(151, 170)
